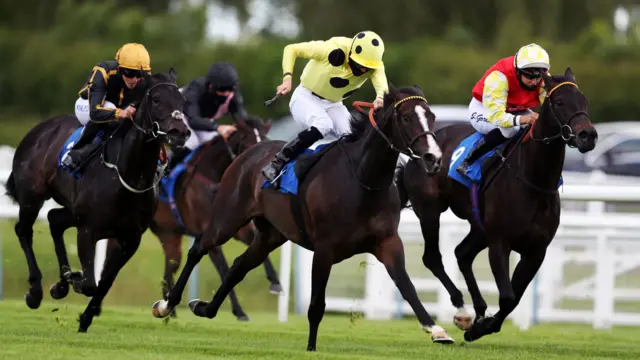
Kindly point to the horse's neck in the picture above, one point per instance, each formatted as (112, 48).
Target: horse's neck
(544, 162)
(215, 159)
(377, 162)
(137, 161)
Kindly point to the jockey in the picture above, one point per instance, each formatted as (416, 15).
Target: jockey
(103, 98)
(337, 68)
(206, 100)
(504, 97)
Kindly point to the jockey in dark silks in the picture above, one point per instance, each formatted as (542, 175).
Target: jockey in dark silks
(108, 89)
(206, 100)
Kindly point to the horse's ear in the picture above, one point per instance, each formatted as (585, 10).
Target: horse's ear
(569, 75)
(173, 75)
(415, 86)
(267, 125)
(548, 82)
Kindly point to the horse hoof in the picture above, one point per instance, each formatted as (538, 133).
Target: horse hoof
(441, 337)
(462, 320)
(243, 318)
(160, 309)
(33, 300)
(193, 304)
(59, 290)
(275, 289)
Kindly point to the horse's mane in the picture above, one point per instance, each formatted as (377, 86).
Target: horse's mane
(254, 122)
(359, 121)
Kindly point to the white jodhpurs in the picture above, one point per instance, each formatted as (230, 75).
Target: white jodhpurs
(82, 109)
(478, 119)
(330, 118)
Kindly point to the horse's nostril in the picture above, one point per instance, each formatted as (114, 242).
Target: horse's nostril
(430, 158)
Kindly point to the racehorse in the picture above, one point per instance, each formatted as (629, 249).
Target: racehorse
(111, 199)
(195, 187)
(517, 207)
(346, 205)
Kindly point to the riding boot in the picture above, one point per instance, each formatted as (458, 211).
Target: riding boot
(490, 141)
(177, 157)
(83, 147)
(289, 152)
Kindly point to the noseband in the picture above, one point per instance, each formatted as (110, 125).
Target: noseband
(407, 150)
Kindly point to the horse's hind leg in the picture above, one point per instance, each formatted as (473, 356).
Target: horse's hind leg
(24, 230)
(466, 253)
(267, 239)
(60, 219)
(113, 264)
(219, 261)
(390, 252)
(432, 260)
(246, 235)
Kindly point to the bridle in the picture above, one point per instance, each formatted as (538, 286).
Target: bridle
(407, 150)
(565, 135)
(153, 132)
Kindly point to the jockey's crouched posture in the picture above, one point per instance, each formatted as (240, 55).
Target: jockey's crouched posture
(511, 86)
(206, 100)
(336, 69)
(108, 89)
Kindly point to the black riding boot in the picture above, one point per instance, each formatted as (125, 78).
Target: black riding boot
(176, 158)
(490, 141)
(83, 147)
(289, 152)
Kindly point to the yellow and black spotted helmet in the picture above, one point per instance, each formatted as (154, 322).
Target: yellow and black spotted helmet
(367, 49)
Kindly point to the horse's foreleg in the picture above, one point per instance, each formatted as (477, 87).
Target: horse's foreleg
(219, 261)
(267, 240)
(162, 308)
(432, 260)
(113, 264)
(86, 242)
(466, 253)
(390, 252)
(24, 230)
(60, 220)
(246, 235)
(320, 271)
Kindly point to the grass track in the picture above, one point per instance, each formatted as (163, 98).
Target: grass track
(132, 333)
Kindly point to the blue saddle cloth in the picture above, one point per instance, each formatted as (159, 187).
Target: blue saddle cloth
(72, 140)
(474, 171)
(167, 191)
(289, 179)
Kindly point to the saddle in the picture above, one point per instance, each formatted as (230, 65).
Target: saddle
(305, 162)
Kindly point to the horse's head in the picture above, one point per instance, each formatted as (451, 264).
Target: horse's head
(250, 132)
(411, 123)
(160, 111)
(567, 107)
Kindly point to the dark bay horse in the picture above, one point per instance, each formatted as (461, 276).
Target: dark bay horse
(346, 205)
(519, 206)
(109, 201)
(195, 190)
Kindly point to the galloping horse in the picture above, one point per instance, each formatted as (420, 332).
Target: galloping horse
(111, 198)
(346, 205)
(195, 187)
(517, 208)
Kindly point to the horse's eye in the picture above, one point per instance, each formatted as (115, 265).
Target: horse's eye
(559, 103)
(405, 118)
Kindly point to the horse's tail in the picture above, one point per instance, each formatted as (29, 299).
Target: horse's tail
(402, 190)
(10, 186)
